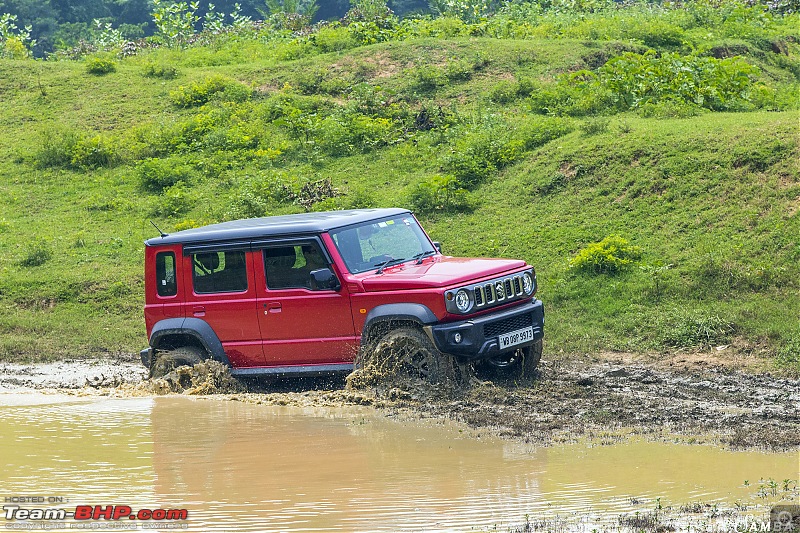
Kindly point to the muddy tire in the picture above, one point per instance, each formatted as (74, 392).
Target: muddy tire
(519, 365)
(409, 353)
(166, 362)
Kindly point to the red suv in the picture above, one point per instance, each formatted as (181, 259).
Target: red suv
(304, 294)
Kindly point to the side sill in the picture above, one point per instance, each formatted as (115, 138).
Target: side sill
(294, 370)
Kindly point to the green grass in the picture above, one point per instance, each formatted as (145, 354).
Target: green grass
(711, 200)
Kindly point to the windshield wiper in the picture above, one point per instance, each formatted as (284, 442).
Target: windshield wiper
(388, 262)
(422, 255)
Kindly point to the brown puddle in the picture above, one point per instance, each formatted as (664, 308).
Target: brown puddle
(248, 467)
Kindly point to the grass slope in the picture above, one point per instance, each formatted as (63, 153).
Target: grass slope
(711, 200)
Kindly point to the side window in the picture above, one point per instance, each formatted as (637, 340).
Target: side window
(219, 272)
(166, 283)
(290, 267)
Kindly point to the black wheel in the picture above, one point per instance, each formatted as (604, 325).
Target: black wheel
(408, 353)
(167, 361)
(519, 364)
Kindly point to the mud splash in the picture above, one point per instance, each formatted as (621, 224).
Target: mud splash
(570, 399)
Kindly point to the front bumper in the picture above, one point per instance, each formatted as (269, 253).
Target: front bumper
(479, 336)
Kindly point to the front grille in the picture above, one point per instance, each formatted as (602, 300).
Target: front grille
(507, 325)
(479, 296)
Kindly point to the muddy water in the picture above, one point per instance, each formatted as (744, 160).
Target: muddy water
(247, 467)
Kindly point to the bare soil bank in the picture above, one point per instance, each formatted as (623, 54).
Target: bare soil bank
(570, 398)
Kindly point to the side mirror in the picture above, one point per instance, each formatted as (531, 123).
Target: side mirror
(324, 279)
(438, 246)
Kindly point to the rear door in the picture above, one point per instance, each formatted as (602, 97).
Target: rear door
(221, 290)
(301, 326)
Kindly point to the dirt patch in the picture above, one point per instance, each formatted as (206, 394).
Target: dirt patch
(695, 400)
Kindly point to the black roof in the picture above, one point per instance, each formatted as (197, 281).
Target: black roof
(253, 228)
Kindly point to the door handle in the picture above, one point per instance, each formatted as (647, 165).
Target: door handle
(272, 307)
(199, 310)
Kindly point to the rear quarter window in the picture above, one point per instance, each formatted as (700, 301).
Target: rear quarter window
(166, 281)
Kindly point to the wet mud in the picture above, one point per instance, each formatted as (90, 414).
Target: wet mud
(568, 400)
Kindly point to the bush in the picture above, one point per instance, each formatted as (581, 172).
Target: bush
(94, 152)
(609, 256)
(66, 148)
(693, 329)
(426, 78)
(788, 355)
(100, 65)
(440, 194)
(175, 201)
(638, 79)
(334, 39)
(156, 175)
(56, 148)
(160, 70)
(199, 93)
(37, 253)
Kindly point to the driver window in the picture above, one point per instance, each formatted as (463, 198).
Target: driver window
(290, 267)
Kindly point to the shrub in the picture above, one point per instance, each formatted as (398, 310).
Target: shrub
(788, 355)
(425, 78)
(334, 39)
(199, 93)
(94, 152)
(595, 125)
(37, 253)
(160, 70)
(693, 329)
(638, 79)
(100, 65)
(316, 191)
(56, 148)
(609, 256)
(175, 201)
(156, 175)
(440, 194)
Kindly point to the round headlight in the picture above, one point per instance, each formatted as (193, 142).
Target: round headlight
(462, 301)
(527, 283)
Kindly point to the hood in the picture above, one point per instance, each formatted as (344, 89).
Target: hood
(439, 271)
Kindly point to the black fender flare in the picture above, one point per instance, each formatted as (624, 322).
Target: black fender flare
(192, 327)
(410, 312)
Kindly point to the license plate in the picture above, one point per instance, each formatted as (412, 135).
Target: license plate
(516, 337)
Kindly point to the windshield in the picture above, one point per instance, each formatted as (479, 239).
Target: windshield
(378, 244)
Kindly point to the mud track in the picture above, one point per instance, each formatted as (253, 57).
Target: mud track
(568, 400)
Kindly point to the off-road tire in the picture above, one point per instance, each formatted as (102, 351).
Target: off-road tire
(167, 361)
(409, 353)
(519, 366)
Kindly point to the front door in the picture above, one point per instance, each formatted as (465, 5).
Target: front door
(301, 326)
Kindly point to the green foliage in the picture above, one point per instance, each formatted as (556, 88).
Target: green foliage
(698, 329)
(609, 256)
(334, 38)
(100, 65)
(66, 148)
(175, 22)
(94, 152)
(595, 125)
(156, 175)
(199, 93)
(15, 42)
(788, 356)
(175, 200)
(483, 149)
(440, 194)
(426, 78)
(160, 70)
(636, 79)
(36, 253)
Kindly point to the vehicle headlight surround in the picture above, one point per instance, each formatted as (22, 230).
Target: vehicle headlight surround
(462, 301)
(528, 283)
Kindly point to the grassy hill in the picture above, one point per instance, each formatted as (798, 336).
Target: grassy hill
(532, 144)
